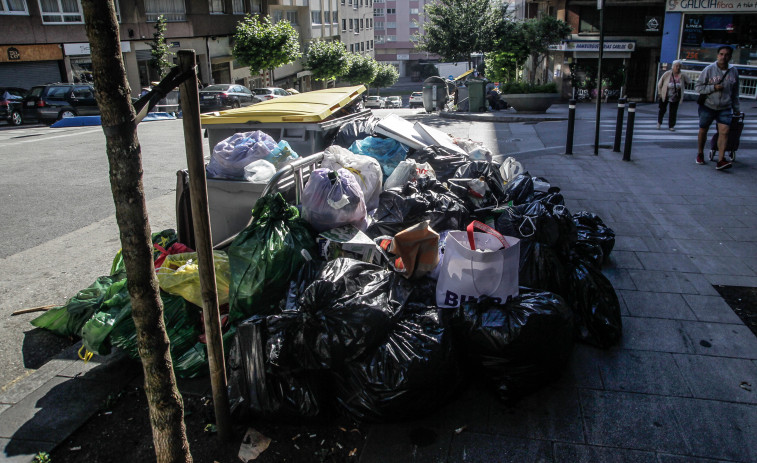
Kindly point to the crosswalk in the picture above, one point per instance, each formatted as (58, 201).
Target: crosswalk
(685, 129)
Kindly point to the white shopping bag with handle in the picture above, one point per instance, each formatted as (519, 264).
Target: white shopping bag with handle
(476, 265)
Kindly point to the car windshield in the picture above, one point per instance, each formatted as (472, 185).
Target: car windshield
(259, 91)
(374, 98)
(216, 88)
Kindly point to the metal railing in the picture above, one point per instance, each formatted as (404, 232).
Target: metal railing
(747, 84)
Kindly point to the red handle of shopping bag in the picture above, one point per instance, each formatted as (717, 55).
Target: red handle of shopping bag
(486, 229)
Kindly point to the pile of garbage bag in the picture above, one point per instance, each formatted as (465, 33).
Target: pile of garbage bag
(410, 266)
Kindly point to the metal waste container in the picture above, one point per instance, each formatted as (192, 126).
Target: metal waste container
(476, 95)
(435, 94)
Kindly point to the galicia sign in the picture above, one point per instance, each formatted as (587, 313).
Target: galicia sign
(696, 6)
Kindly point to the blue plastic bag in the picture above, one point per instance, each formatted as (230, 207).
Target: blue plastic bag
(230, 156)
(389, 153)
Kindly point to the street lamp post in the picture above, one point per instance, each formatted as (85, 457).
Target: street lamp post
(600, 4)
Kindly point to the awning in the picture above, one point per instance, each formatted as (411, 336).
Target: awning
(312, 106)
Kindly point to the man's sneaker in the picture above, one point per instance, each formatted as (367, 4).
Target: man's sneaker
(672, 129)
(659, 126)
(724, 165)
(700, 158)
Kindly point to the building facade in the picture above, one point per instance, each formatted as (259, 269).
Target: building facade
(396, 23)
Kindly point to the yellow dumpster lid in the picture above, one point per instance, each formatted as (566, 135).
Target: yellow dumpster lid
(312, 106)
(464, 75)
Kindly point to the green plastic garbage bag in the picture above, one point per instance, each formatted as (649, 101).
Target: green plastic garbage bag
(265, 256)
(164, 239)
(182, 321)
(194, 362)
(68, 319)
(114, 309)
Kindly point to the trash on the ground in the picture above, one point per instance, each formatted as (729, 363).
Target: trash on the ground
(436, 137)
(367, 170)
(397, 128)
(353, 452)
(253, 444)
(460, 429)
(333, 199)
(408, 171)
(347, 241)
(388, 152)
(746, 386)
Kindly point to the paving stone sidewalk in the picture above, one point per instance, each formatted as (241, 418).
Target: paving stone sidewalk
(681, 386)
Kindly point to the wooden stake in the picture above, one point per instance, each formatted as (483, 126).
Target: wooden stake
(42, 308)
(190, 108)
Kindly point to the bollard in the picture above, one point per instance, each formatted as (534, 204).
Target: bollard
(619, 125)
(571, 125)
(629, 131)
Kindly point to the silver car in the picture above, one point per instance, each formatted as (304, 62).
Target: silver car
(268, 93)
(375, 102)
(394, 102)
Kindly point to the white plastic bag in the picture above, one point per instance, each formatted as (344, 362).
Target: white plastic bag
(407, 171)
(510, 169)
(476, 150)
(476, 265)
(366, 169)
(259, 171)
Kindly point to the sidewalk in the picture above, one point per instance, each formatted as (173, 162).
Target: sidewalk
(681, 386)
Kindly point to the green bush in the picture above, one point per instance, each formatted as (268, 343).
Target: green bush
(524, 87)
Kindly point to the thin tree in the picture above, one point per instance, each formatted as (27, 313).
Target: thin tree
(454, 29)
(386, 76)
(327, 60)
(262, 45)
(125, 159)
(161, 53)
(538, 35)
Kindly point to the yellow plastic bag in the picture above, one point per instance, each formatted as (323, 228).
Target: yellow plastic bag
(180, 275)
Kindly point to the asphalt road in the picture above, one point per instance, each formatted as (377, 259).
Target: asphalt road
(58, 232)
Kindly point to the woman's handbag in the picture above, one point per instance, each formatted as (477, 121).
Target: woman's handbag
(476, 265)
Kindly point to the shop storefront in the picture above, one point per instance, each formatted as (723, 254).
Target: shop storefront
(78, 61)
(579, 67)
(28, 65)
(694, 29)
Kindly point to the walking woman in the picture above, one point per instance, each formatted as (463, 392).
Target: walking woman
(670, 90)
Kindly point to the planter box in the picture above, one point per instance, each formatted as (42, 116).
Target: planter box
(531, 102)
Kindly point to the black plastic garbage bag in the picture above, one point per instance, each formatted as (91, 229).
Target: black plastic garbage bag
(541, 268)
(444, 161)
(480, 184)
(589, 251)
(426, 199)
(265, 256)
(412, 373)
(258, 387)
(595, 305)
(520, 190)
(354, 130)
(346, 311)
(522, 345)
(592, 229)
(531, 221)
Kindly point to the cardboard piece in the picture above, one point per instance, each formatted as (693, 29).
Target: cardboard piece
(397, 128)
(432, 136)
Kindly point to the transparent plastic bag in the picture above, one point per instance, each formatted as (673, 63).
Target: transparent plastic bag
(230, 156)
(366, 169)
(332, 199)
(180, 275)
(407, 171)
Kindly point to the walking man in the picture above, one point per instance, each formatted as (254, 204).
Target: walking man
(720, 83)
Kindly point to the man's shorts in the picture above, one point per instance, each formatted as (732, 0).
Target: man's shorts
(707, 115)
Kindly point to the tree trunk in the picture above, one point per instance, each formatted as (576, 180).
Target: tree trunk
(125, 160)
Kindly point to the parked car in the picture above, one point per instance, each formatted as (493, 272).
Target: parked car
(416, 100)
(394, 102)
(375, 102)
(48, 103)
(12, 104)
(225, 96)
(268, 93)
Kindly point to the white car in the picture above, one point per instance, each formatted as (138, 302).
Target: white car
(393, 102)
(268, 93)
(375, 102)
(416, 100)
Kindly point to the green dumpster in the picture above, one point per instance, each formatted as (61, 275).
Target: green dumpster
(476, 95)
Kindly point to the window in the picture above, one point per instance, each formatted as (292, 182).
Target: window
(379, 39)
(344, 24)
(342, 2)
(83, 92)
(277, 16)
(413, 10)
(351, 23)
(335, 17)
(352, 48)
(391, 11)
(61, 11)
(237, 6)
(292, 17)
(362, 24)
(172, 10)
(362, 46)
(378, 12)
(217, 6)
(391, 38)
(371, 44)
(391, 24)
(370, 23)
(13, 7)
(315, 17)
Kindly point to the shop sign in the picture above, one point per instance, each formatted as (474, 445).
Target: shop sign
(79, 49)
(13, 54)
(699, 6)
(692, 31)
(593, 46)
(403, 57)
(652, 24)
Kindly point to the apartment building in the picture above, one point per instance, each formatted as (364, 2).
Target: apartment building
(356, 24)
(395, 24)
